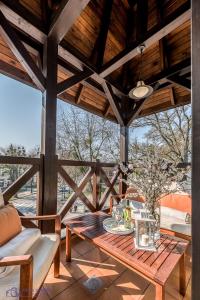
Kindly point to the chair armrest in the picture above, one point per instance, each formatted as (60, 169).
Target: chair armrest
(46, 218)
(16, 260)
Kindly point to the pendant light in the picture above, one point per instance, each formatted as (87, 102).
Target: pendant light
(141, 90)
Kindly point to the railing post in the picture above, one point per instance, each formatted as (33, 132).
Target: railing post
(96, 186)
(40, 189)
(124, 144)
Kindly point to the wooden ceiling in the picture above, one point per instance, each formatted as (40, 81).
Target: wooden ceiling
(98, 54)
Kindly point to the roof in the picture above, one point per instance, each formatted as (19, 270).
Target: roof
(101, 48)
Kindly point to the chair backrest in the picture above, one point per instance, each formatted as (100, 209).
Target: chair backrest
(133, 194)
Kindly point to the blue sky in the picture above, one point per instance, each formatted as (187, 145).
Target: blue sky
(20, 114)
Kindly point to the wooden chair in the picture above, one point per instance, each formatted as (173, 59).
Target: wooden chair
(34, 263)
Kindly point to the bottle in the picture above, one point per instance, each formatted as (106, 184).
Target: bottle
(127, 215)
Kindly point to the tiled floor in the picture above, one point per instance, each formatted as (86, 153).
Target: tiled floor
(118, 283)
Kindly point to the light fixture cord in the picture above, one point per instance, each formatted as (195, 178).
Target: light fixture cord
(141, 61)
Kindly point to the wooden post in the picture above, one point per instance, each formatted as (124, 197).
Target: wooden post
(96, 186)
(195, 149)
(124, 143)
(48, 144)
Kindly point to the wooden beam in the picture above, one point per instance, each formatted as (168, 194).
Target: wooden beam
(172, 96)
(18, 160)
(175, 20)
(48, 141)
(142, 19)
(114, 103)
(79, 94)
(195, 150)
(100, 45)
(73, 80)
(183, 82)
(66, 15)
(19, 183)
(21, 52)
(137, 109)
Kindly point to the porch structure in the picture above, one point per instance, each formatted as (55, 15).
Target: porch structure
(86, 54)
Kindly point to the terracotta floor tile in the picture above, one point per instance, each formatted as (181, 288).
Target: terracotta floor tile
(81, 246)
(132, 284)
(74, 292)
(95, 256)
(54, 286)
(115, 293)
(43, 295)
(79, 267)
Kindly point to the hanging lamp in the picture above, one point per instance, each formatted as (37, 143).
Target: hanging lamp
(141, 90)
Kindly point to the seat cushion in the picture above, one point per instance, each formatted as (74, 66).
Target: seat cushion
(43, 251)
(18, 246)
(1, 200)
(10, 223)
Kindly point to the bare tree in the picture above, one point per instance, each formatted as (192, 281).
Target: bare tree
(83, 136)
(170, 130)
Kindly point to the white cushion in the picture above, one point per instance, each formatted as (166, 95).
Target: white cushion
(18, 246)
(1, 200)
(175, 224)
(171, 212)
(43, 252)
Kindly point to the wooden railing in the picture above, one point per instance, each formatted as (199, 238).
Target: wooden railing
(95, 173)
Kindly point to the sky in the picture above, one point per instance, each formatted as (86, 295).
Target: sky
(20, 114)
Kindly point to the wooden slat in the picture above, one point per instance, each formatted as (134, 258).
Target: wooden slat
(19, 183)
(19, 160)
(77, 190)
(109, 189)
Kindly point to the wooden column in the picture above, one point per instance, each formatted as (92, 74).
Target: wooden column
(195, 149)
(48, 144)
(124, 144)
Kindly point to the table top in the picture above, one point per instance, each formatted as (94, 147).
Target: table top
(156, 266)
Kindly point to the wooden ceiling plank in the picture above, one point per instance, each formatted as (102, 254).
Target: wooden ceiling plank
(73, 80)
(178, 18)
(113, 102)
(66, 15)
(21, 53)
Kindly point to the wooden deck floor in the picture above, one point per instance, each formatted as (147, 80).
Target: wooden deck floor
(117, 281)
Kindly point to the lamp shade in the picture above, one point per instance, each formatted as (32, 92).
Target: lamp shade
(141, 91)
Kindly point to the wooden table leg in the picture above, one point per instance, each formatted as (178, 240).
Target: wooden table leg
(160, 292)
(182, 274)
(68, 244)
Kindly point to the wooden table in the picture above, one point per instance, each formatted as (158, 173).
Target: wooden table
(156, 267)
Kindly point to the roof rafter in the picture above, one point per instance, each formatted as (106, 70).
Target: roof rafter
(175, 20)
(21, 53)
(184, 82)
(100, 45)
(114, 103)
(66, 15)
(73, 80)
